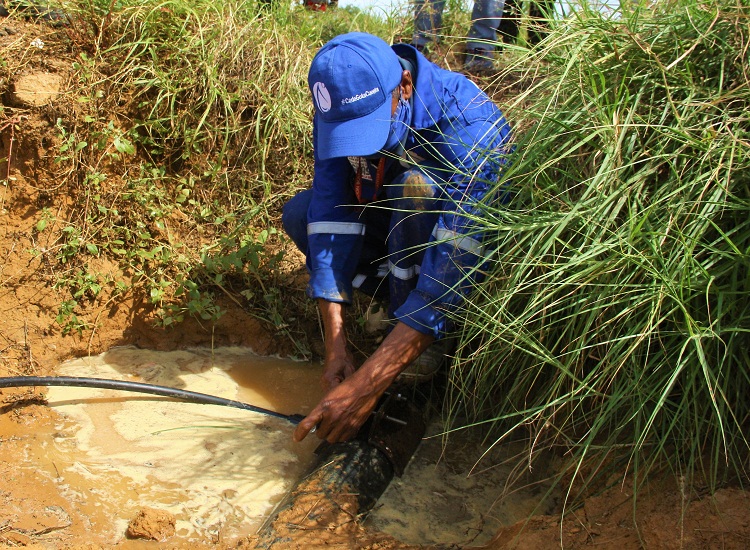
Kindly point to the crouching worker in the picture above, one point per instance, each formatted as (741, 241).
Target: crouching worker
(404, 151)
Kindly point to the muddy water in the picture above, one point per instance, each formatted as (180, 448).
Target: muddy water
(218, 470)
(457, 491)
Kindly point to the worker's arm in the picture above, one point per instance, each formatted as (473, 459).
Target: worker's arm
(346, 406)
(339, 362)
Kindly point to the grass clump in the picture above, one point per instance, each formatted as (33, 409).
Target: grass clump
(615, 322)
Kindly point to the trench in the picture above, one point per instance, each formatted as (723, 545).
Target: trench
(221, 471)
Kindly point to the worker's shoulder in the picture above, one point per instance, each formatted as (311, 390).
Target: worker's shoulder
(463, 100)
(463, 89)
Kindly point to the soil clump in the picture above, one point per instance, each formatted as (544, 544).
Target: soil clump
(152, 524)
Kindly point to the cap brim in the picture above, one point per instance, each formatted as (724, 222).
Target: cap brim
(359, 137)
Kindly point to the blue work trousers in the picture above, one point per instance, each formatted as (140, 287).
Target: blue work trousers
(485, 20)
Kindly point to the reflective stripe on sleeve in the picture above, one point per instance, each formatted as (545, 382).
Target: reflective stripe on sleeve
(464, 242)
(403, 273)
(358, 280)
(336, 228)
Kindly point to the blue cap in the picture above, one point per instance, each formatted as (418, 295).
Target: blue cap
(351, 79)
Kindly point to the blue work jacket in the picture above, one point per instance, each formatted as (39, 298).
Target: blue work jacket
(460, 141)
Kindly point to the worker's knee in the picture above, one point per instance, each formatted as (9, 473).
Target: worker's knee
(294, 218)
(413, 190)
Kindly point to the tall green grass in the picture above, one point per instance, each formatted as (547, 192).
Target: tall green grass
(214, 87)
(614, 324)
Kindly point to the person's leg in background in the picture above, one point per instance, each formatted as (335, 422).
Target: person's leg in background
(480, 48)
(508, 29)
(540, 13)
(428, 22)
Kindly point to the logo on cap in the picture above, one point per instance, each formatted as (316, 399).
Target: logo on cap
(322, 97)
(357, 97)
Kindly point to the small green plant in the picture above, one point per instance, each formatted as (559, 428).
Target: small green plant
(45, 219)
(83, 287)
(72, 244)
(68, 320)
(187, 300)
(70, 143)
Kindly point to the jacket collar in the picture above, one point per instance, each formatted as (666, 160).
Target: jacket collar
(428, 87)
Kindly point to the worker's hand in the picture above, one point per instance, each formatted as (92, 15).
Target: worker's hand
(337, 369)
(341, 412)
(348, 404)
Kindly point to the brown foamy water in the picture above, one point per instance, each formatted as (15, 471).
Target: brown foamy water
(221, 470)
(218, 470)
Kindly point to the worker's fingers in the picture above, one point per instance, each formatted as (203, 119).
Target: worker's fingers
(339, 433)
(330, 381)
(307, 424)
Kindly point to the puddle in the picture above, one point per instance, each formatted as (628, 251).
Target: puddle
(218, 470)
(221, 470)
(446, 498)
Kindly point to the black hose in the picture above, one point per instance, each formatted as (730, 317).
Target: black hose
(125, 385)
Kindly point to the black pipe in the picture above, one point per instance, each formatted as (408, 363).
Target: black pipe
(126, 385)
(347, 478)
(346, 482)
